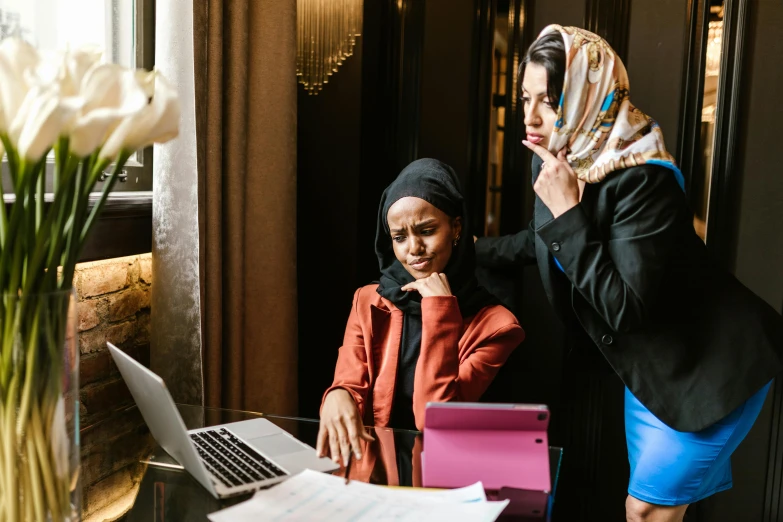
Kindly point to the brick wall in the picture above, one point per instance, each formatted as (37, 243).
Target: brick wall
(113, 305)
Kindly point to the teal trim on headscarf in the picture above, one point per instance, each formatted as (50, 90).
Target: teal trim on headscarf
(608, 100)
(559, 122)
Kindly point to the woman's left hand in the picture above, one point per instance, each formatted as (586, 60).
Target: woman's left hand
(557, 184)
(431, 286)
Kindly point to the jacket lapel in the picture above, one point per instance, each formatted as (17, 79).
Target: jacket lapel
(386, 336)
(541, 216)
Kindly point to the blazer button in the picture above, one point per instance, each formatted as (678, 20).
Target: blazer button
(607, 339)
(556, 246)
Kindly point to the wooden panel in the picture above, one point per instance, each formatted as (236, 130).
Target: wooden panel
(759, 253)
(446, 81)
(609, 19)
(124, 227)
(563, 12)
(656, 47)
(773, 495)
(759, 249)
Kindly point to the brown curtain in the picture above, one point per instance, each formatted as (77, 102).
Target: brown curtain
(245, 83)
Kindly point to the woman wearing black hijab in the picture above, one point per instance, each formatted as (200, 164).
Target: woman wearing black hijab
(427, 332)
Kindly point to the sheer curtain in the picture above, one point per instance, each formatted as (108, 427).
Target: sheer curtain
(176, 309)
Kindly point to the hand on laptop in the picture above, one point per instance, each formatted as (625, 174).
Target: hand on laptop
(341, 428)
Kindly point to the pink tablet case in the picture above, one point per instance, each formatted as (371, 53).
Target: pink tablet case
(502, 445)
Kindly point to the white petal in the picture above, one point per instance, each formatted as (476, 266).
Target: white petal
(46, 115)
(17, 60)
(158, 122)
(111, 93)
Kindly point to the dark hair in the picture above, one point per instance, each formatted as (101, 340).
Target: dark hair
(548, 52)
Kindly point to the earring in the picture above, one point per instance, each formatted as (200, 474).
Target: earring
(456, 240)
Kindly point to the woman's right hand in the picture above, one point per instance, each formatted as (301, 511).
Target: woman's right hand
(341, 428)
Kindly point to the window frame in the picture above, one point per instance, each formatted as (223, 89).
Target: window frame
(125, 224)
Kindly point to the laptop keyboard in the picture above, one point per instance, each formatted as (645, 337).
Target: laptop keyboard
(230, 460)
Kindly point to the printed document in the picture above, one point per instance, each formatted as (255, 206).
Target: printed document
(312, 496)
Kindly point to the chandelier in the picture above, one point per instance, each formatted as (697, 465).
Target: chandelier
(326, 35)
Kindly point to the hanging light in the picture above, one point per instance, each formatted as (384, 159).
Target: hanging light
(326, 35)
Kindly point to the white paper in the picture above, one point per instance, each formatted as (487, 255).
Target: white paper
(313, 496)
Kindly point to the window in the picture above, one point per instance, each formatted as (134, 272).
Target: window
(119, 27)
(701, 182)
(124, 30)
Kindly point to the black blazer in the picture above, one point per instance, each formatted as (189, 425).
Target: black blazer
(691, 342)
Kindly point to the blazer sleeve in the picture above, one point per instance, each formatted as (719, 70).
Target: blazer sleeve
(511, 250)
(441, 375)
(619, 273)
(351, 372)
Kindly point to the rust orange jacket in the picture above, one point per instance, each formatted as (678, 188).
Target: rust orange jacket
(458, 359)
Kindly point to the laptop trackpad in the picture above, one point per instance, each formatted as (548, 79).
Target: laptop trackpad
(276, 445)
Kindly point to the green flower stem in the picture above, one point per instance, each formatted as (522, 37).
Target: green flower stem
(84, 184)
(58, 232)
(9, 437)
(27, 497)
(9, 333)
(46, 465)
(48, 234)
(11, 232)
(3, 218)
(29, 377)
(107, 188)
(39, 247)
(60, 159)
(13, 157)
(2, 461)
(31, 210)
(35, 481)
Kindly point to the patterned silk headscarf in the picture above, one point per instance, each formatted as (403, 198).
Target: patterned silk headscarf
(604, 132)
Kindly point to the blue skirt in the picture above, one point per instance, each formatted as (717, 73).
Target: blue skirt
(673, 468)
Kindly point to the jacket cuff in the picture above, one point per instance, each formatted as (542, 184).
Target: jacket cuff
(564, 236)
(356, 398)
(443, 308)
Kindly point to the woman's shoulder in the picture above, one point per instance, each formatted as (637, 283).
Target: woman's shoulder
(654, 187)
(368, 294)
(494, 319)
(649, 175)
(367, 297)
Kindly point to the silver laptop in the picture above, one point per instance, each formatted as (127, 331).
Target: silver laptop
(228, 459)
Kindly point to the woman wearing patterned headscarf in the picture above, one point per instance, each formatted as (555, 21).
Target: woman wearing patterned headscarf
(613, 238)
(427, 332)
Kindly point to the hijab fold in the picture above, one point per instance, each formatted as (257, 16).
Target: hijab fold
(596, 120)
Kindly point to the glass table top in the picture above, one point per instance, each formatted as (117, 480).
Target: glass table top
(126, 476)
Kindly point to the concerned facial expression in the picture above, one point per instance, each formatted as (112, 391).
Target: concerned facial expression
(422, 236)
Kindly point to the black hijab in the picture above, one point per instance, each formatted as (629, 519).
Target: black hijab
(436, 183)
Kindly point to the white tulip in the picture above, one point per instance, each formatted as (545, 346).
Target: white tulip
(111, 93)
(42, 117)
(17, 60)
(146, 80)
(75, 66)
(157, 122)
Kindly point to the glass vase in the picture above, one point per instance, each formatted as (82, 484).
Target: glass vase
(39, 411)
